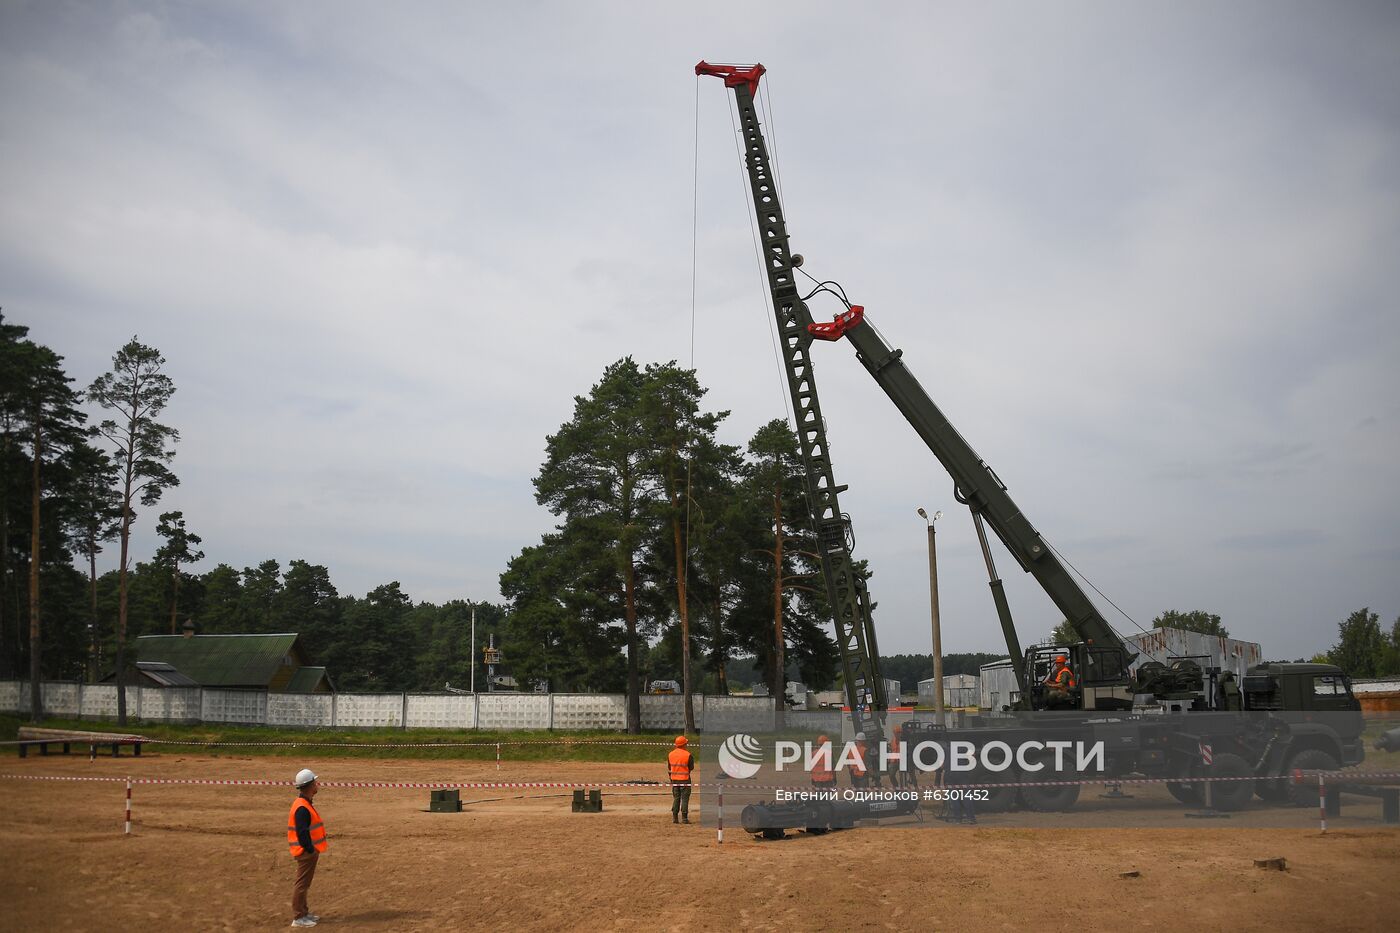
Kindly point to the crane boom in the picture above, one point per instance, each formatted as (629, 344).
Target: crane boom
(1101, 660)
(845, 588)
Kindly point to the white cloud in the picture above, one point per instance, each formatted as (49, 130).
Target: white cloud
(1142, 256)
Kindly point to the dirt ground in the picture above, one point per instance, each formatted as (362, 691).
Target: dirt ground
(214, 858)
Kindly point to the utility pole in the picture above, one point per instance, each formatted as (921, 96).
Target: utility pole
(933, 604)
(473, 652)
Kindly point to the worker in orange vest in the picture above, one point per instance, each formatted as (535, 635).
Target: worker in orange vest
(1060, 677)
(681, 762)
(859, 766)
(900, 775)
(306, 837)
(823, 778)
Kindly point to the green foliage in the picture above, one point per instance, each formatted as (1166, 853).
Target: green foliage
(1197, 620)
(180, 548)
(42, 444)
(1062, 634)
(137, 392)
(1361, 649)
(909, 669)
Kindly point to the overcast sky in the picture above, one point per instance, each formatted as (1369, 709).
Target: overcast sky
(1144, 255)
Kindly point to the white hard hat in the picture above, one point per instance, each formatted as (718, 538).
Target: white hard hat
(305, 776)
(860, 735)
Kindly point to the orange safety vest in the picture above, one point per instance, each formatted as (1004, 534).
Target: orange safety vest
(681, 761)
(858, 768)
(318, 829)
(821, 773)
(1061, 679)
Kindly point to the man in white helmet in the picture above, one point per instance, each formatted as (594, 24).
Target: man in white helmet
(306, 837)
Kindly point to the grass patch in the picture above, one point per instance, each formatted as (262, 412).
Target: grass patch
(217, 740)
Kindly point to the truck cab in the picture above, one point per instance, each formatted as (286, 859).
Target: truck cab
(1316, 702)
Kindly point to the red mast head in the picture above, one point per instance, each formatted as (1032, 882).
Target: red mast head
(734, 75)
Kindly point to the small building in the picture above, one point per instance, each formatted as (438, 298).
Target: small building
(276, 663)
(959, 690)
(996, 685)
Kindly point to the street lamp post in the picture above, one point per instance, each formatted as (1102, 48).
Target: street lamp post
(933, 604)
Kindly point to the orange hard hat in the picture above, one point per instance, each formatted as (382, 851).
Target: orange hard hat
(822, 740)
(681, 740)
(1059, 659)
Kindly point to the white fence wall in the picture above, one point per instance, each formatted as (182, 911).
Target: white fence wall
(438, 711)
(378, 710)
(604, 711)
(248, 707)
(513, 711)
(308, 710)
(590, 711)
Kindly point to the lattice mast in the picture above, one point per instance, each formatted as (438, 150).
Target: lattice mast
(845, 590)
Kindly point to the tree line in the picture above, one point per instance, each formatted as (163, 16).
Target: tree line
(673, 553)
(674, 556)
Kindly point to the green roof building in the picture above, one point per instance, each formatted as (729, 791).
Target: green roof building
(276, 663)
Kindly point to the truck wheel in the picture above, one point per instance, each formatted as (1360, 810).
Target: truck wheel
(1189, 794)
(1232, 795)
(1309, 759)
(1050, 799)
(1272, 790)
(999, 797)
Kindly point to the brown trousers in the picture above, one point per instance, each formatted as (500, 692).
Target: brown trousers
(306, 870)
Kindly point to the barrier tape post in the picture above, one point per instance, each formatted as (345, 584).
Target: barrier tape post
(128, 807)
(1322, 800)
(498, 756)
(719, 808)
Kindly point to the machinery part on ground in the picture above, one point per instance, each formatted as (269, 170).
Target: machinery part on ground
(769, 820)
(1389, 741)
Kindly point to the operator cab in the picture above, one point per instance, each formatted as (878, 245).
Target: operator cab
(1100, 677)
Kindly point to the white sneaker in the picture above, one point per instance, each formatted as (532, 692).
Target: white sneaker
(314, 918)
(304, 921)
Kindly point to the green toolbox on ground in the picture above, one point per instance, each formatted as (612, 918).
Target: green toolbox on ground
(446, 801)
(593, 803)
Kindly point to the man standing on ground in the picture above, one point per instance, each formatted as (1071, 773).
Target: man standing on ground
(681, 762)
(306, 837)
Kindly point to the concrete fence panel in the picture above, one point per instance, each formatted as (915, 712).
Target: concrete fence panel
(440, 711)
(817, 720)
(61, 699)
(369, 710)
(173, 704)
(307, 710)
(589, 711)
(513, 711)
(9, 696)
(664, 712)
(233, 706)
(738, 714)
(100, 702)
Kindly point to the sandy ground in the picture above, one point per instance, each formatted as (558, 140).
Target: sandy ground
(214, 858)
